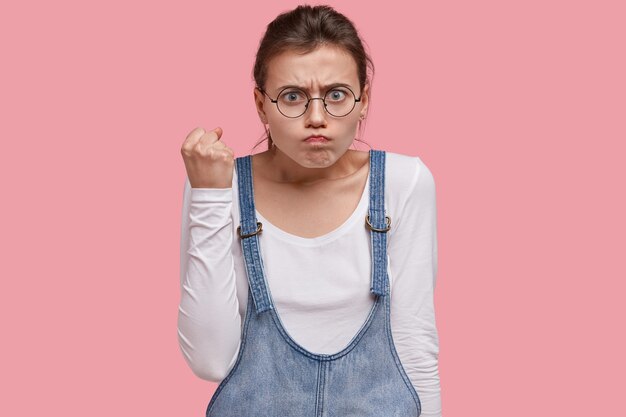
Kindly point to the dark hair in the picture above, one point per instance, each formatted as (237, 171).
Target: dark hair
(304, 29)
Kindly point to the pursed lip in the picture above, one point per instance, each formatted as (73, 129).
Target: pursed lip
(318, 137)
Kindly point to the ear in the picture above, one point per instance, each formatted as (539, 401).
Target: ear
(259, 101)
(365, 99)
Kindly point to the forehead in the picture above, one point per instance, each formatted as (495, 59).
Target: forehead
(325, 65)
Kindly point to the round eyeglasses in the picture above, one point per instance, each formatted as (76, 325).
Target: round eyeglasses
(293, 102)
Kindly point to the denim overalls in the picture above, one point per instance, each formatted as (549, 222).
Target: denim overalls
(273, 376)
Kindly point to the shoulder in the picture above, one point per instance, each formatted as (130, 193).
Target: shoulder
(406, 174)
(409, 191)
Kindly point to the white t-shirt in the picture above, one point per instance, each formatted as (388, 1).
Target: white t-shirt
(320, 286)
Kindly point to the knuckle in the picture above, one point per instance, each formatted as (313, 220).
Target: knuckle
(212, 153)
(185, 150)
(198, 131)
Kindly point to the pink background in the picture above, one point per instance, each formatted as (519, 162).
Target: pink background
(518, 108)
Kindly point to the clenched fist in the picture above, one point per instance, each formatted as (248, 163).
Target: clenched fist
(208, 161)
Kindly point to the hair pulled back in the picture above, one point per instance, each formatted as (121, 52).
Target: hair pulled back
(303, 30)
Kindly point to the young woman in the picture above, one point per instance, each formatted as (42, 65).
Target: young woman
(308, 270)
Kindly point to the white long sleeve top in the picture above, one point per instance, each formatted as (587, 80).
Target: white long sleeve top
(322, 304)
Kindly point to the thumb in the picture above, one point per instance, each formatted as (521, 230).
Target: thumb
(218, 131)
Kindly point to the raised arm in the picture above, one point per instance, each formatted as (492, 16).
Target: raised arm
(413, 265)
(209, 323)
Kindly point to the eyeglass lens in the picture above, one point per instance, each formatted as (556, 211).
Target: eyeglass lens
(293, 102)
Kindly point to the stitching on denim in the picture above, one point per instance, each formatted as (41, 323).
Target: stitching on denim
(396, 358)
(333, 356)
(244, 338)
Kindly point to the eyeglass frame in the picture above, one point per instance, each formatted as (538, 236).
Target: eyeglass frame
(306, 107)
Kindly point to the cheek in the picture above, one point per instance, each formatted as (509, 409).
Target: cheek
(281, 129)
(350, 128)
(284, 131)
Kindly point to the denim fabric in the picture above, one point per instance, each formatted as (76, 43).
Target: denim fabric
(273, 376)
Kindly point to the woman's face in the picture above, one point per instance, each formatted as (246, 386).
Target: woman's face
(312, 72)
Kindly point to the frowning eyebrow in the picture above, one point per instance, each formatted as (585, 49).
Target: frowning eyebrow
(324, 87)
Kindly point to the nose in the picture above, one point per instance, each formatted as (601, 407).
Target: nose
(315, 112)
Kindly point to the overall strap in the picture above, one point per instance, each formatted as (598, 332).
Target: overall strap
(248, 232)
(378, 223)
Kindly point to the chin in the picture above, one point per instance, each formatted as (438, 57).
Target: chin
(318, 160)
